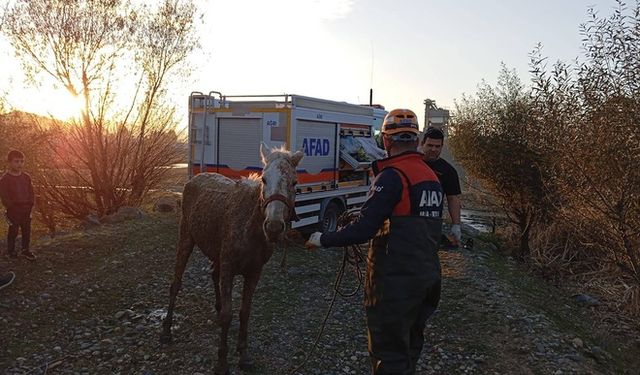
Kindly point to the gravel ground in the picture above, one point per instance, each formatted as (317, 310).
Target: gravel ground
(93, 303)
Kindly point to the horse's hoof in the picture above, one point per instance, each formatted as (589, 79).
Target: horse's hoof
(218, 372)
(165, 338)
(246, 365)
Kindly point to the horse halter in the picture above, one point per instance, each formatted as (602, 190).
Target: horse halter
(287, 202)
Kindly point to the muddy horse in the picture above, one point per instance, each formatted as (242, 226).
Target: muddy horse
(236, 224)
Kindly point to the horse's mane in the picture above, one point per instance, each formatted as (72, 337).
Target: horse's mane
(252, 180)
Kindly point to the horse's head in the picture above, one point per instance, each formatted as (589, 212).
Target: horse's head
(278, 190)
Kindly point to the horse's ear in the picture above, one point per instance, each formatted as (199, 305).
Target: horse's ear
(264, 152)
(296, 157)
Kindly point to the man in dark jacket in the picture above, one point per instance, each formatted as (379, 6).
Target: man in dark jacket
(403, 215)
(16, 193)
(432, 144)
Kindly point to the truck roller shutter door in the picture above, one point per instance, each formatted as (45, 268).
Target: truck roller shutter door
(239, 143)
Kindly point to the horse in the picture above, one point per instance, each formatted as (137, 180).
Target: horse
(236, 224)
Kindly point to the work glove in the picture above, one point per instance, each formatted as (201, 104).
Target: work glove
(314, 241)
(456, 231)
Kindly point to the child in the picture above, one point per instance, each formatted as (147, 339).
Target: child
(17, 196)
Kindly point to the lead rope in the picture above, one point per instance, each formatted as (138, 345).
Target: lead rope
(352, 255)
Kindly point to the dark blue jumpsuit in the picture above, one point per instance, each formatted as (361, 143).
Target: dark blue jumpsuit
(403, 215)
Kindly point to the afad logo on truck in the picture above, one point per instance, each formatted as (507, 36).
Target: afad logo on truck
(316, 146)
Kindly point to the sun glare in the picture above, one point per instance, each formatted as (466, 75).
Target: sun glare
(58, 104)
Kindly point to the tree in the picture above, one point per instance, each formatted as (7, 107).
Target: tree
(124, 137)
(494, 136)
(591, 109)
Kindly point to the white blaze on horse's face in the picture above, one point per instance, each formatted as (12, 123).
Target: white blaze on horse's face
(278, 190)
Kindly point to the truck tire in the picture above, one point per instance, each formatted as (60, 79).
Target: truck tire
(329, 222)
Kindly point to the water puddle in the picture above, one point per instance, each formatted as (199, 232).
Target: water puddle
(483, 221)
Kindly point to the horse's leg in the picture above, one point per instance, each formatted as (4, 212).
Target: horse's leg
(215, 276)
(249, 287)
(224, 320)
(185, 247)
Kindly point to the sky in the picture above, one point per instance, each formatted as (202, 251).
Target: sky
(406, 50)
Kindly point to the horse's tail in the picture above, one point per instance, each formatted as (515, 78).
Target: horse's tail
(190, 194)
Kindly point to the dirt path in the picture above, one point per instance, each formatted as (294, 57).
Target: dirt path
(94, 299)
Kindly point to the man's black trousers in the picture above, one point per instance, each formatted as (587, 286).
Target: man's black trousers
(396, 332)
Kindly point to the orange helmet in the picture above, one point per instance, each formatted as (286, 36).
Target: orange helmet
(400, 121)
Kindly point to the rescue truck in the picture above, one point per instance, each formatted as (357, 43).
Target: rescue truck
(337, 138)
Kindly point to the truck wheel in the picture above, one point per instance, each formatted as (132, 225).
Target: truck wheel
(329, 221)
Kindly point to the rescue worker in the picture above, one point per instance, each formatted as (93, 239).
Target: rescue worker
(403, 215)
